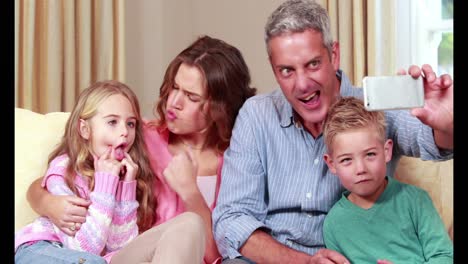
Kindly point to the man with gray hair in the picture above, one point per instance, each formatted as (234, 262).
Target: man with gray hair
(276, 189)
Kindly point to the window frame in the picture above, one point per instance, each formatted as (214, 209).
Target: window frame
(418, 32)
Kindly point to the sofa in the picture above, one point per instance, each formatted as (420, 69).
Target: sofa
(37, 134)
(35, 137)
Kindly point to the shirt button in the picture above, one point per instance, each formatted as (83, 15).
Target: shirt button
(309, 215)
(316, 161)
(309, 195)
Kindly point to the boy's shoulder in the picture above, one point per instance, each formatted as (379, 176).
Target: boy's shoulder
(338, 209)
(408, 189)
(411, 195)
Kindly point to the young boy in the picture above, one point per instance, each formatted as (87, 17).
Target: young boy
(377, 219)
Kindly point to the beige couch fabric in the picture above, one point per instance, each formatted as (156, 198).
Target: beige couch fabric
(35, 137)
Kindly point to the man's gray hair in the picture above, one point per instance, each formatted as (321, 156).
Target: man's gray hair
(294, 16)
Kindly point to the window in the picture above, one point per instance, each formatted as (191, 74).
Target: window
(424, 34)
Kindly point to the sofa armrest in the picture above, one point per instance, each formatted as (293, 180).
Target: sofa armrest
(434, 177)
(36, 135)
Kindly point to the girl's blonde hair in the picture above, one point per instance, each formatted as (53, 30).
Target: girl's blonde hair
(348, 113)
(79, 150)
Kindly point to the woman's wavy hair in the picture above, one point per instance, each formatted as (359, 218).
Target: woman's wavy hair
(227, 79)
(79, 150)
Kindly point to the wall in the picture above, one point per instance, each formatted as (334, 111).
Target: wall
(158, 30)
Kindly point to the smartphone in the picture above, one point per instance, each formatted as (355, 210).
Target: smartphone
(392, 92)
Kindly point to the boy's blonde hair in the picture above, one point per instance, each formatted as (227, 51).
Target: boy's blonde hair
(348, 113)
(79, 150)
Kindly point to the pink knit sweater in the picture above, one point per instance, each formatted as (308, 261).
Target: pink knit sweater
(111, 217)
(169, 204)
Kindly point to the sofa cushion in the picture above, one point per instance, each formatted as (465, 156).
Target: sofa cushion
(36, 135)
(434, 177)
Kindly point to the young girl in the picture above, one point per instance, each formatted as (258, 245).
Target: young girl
(102, 158)
(204, 86)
